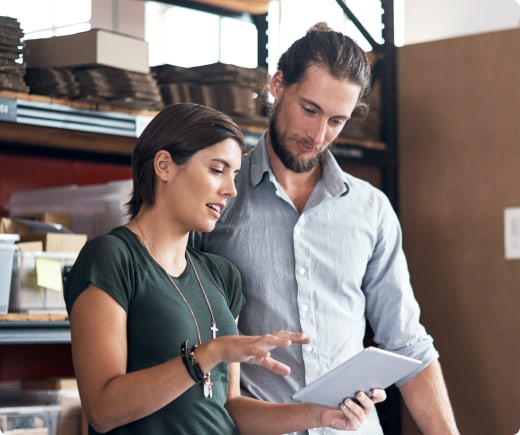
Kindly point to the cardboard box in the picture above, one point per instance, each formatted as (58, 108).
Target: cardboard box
(36, 246)
(52, 383)
(9, 226)
(94, 47)
(62, 219)
(50, 242)
(58, 242)
(93, 209)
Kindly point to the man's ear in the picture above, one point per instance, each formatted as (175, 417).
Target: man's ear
(163, 164)
(276, 85)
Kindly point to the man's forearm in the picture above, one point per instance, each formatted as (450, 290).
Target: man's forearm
(426, 397)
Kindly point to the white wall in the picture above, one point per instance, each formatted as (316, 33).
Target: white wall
(429, 20)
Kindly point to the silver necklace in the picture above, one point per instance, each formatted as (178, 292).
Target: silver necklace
(213, 328)
(206, 384)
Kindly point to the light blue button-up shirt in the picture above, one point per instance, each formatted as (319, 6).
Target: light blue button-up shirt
(324, 272)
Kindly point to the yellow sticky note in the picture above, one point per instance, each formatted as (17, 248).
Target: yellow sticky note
(48, 274)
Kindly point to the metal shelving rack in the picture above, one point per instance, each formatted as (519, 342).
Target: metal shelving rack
(385, 70)
(34, 332)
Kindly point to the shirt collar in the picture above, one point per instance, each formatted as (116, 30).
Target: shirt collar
(333, 177)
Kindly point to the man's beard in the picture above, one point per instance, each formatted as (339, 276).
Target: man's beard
(290, 162)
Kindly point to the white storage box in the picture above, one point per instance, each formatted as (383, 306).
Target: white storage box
(7, 250)
(34, 419)
(37, 281)
(93, 209)
(94, 47)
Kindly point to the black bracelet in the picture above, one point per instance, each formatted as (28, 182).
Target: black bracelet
(195, 364)
(186, 359)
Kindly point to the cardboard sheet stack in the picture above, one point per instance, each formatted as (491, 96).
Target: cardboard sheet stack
(233, 89)
(115, 86)
(180, 85)
(53, 81)
(239, 90)
(12, 69)
(367, 124)
(98, 84)
(97, 66)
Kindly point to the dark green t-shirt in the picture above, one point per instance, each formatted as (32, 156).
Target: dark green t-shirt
(159, 321)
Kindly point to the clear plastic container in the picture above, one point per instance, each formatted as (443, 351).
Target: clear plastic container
(13, 419)
(29, 293)
(93, 209)
(7, 250)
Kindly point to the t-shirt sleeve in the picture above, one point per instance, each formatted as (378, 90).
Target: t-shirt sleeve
(234, 289)
(104, 262)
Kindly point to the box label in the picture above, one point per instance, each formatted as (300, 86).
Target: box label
(7, 109)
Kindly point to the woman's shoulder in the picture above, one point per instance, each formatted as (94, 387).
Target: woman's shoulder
(210, 259)
(119, 240)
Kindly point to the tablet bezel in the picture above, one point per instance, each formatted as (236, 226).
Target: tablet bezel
(371, 368)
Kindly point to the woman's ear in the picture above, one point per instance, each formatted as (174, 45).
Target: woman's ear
(163, 164)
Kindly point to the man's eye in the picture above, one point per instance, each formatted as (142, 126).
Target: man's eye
(309, 110)
(338, 122)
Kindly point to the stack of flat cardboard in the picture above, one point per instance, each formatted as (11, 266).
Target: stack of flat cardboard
(12, 69)
(232, 89)
(118, 87)
(180, 85)
(53, 81)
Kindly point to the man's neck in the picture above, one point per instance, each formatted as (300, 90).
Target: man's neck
(298, 186)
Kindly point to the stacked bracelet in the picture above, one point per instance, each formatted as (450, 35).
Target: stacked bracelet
(194, 370)
(185, 353)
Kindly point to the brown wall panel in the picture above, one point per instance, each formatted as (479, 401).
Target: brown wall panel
(459, 167)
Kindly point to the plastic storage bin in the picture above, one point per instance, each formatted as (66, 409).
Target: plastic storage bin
(7, 250)
(35, 281)
(93, 209)
(69, 417)
(40, 419)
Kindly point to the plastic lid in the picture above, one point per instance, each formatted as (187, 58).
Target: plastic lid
(9, 238)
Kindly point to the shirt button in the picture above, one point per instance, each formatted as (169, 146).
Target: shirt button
(297, 231)
(308, 349)
(305, 308)
(301, 270)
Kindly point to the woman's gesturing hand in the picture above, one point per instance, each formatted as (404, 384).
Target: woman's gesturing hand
(257, 349)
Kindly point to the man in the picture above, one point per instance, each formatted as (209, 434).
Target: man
(320, 250)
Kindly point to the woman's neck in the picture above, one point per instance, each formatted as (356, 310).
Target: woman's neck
(164, 246)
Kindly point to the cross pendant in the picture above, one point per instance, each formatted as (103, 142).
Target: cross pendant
(214, 330)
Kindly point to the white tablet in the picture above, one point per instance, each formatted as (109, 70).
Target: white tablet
(370, 368)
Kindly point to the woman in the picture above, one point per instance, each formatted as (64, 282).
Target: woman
(154, 339)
